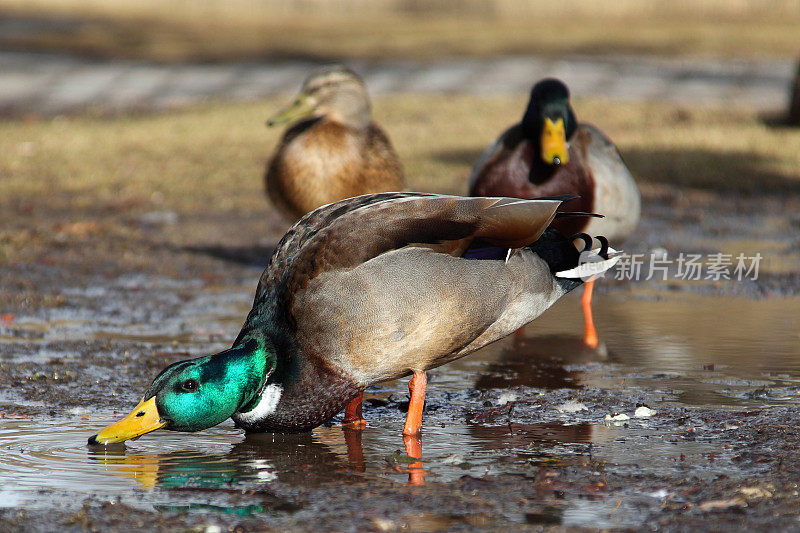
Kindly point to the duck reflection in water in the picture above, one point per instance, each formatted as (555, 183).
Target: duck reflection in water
(298, 458)
(541, 362)
(295, 459)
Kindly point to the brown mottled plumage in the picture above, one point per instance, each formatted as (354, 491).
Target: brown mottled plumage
(337, 153)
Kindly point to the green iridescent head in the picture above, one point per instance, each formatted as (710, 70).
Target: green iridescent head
(197, 394)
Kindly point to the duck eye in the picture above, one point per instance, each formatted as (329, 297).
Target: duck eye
(190, 385)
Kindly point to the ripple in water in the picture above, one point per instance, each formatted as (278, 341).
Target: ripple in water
(53, 456)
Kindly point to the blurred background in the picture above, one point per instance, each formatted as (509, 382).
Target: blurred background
(207, 30)
(153, 111)
(160, 105)
(679, 57)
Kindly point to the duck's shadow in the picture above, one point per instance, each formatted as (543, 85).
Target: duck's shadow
(735, 171)
(255, 256)
(458, 156)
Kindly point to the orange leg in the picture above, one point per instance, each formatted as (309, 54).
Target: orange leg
(416, 385)
(352, 414)
(355, 452)
(416, 475)
(589, 333)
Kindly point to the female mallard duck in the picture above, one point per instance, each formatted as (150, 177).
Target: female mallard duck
(334, 150)
(550, 153)
(366, 290)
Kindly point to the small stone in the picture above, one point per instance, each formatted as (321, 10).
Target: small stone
(644, 412)
(159, 218)
(506, 397)
(659, 253)
(571, 406)
(755, 492)
(455, 459)
(721, 505)
(382, 524)
(659, 494)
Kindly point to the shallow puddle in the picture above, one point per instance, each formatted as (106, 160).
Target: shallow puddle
(47, 464)
(681, 349)
(702, 350)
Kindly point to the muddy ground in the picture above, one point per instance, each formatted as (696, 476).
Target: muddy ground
(514, 439)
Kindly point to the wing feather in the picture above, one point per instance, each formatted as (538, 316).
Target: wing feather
(345, 234)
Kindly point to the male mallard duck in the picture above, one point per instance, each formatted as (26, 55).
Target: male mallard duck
(366, 290)
(334, 150)
(550, 153)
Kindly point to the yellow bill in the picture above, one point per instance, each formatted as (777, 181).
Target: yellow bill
(143, 419)
(554, 142)
(302, 107)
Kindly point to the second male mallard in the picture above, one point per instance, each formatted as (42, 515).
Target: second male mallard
(332, 150)
(549, 153)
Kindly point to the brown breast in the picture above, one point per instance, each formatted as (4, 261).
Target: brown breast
(512, 173)
(325, 161)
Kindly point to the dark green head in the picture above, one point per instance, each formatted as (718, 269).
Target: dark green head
(199, 393)
(549, 121)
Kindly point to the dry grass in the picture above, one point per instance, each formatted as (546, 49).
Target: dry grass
(67, 180)
(212, 157)
(224, 29)
(728, 150)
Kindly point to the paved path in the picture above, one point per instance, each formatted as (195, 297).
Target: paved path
(51, 84)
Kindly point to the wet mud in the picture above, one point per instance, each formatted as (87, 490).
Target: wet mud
(521, 435)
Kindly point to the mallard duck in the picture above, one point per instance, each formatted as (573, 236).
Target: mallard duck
(367, 290)
(332, 150)
(551, 153)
